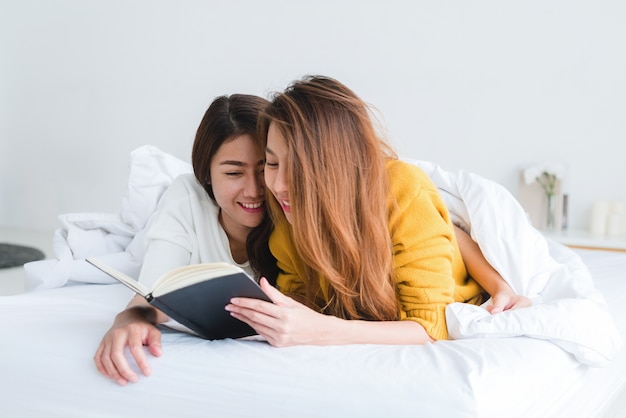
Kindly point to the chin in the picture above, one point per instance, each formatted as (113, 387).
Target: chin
(253, 222)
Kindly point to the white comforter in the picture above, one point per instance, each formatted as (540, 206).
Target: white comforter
(567, 309)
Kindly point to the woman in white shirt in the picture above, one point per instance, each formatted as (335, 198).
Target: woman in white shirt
(213, 215)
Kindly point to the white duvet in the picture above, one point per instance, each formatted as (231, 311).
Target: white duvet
(567, 308)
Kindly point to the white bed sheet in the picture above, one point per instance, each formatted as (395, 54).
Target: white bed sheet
(47, 340)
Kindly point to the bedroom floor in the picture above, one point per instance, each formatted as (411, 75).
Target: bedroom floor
(12, 279)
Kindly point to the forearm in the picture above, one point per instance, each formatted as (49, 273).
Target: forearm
(477, 265)
(342, 331)
(138, 307)
(488, 278)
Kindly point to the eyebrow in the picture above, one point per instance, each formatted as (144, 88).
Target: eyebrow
(239, 163)
(269, 151)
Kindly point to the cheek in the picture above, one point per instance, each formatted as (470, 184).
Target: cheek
(268, 179)
(222, 193)
(219, 199)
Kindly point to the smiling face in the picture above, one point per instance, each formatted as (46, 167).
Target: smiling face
(237, 183)
(276, 177)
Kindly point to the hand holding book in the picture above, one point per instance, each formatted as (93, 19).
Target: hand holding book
(196, 295)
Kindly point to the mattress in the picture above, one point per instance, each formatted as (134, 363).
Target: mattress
(48, 339)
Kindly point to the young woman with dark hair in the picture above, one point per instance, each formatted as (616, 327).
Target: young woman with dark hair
(212, 215)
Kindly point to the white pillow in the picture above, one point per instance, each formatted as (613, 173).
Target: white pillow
(115, 238)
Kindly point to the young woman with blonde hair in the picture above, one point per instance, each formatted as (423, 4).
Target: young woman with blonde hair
(364, 243)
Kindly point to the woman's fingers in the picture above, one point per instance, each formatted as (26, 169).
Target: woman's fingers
(275, 295)
(260, 311)
(111, 359)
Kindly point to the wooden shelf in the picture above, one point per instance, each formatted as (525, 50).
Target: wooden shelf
(580, 238)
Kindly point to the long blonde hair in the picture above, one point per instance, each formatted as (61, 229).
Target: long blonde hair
(338, 191)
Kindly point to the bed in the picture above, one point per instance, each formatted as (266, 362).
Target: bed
(562, 357)
(48, 338)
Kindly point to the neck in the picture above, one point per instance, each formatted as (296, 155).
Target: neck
(237, 236)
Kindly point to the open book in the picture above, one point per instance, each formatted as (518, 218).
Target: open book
(195, 296)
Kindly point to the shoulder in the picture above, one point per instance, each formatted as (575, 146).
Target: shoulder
(411, 191)
(184, 184)
(408, 178)
(186, 188)
(184, 214)
(186, 198)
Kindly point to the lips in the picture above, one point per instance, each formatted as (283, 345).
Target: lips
(252, 206)
(285, 205)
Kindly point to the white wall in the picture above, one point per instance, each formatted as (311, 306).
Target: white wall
(488, 86)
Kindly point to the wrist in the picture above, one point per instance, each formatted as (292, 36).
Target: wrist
(142, 313)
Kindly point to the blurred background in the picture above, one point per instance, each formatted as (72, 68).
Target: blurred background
(486, 86)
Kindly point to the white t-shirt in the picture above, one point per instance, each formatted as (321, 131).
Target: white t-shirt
(185, 230)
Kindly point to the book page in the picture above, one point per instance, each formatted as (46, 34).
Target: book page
(120, 277)
(194, 273)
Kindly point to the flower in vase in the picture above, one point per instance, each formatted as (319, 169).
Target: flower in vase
(546, 174)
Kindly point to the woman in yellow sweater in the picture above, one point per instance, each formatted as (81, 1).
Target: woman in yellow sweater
(365, 246)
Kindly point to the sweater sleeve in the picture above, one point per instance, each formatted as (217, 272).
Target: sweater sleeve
(422, 236)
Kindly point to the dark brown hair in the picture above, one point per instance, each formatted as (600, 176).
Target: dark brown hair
(227, 118)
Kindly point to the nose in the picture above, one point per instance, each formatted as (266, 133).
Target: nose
(254, 186)
(279, 182)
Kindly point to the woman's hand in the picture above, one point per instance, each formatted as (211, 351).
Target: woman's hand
(507, 300)
(132, 328)
(287, 322)
(283, 323)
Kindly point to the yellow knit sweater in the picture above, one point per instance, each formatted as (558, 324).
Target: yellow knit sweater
(429, 269)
